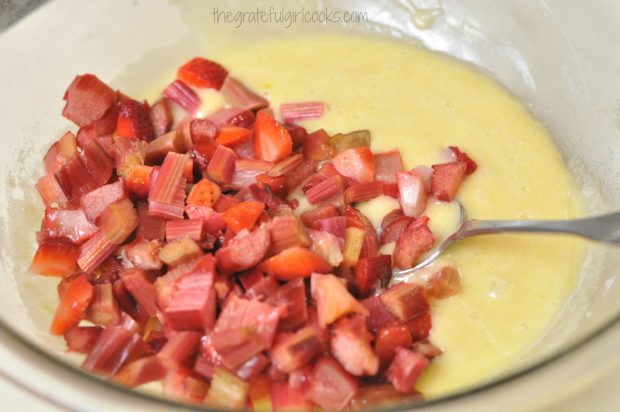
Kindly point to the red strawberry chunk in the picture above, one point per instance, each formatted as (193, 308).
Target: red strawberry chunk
(292, 351)
(447, 178)
(96, 201)
(406, 369)
(372, 273)
(134, 120)
(395, 229)
(425, 174)
(213, 221)
(328, 246)
(291, 298)
(294, 262)
(55, 258)
(244, 250)
(390, 338)
(200, 72)
(416, 240)
(411, 194)
(316, 146)
(331, 386)
(333, 300)
(357, 163)
(463, 157)
(350, 344)
(73, 305)
(406, 301)
(50, 191)
(70, 224)
(87, 100)
(388, 165)
(232, 116)
(272, 142)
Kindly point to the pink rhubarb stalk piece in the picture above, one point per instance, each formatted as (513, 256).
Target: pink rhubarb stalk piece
(239, 96)
(406, 369)
(291, 112)
(333, 300)
(183, 95)
(167, 196)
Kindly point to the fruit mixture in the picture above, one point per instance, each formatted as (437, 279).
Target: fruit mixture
(183, 259)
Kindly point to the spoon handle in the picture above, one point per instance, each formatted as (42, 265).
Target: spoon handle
(605, 228)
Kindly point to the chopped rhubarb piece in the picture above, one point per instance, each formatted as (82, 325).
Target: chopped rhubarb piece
(287, 165)
(333, 300)
(193, 302)
(294, 262)
(463, 157)
(357, 163)
(73, 305)
(353, 241)
(416, 240)
(242, 313)
(447, 178)
(293, 351)
(70, 224)
(420, 327)
(372, 273)
(128, 153)
(291, 112)
(292, 297)
(112, 349)
(178, 348)
(243, 215)
(272, 142)
(141, 371)
(235, 346)
(350, 344)
(406, 301)
(286, 232)
(150, 227)
(227, 390)
(393, 230)
(381, 397)
(200, 72)
(246, 171)
(96, 201)
(118, 220)
(427, 349)
(179, 251)
(232, 116)
(238, 95)
(50, 191)
(332, 387)
(388, 165)
(213, 221)
(204, 366)
(94, 252)
(378, 315)
(143, 291)
(166, 284)
(363, 191)
(157, 149)
(161, 117)
(179, 384)
(167, 196)
(405, 369)
(298, 134)
(344, 141)
(204, 193)
(134, 120)
(244, 250)
(55, 258)
(81, 339)
(221, 168)
(326, 189)
(310, 217)
(262, 288)
(60, 152)
(183, 95)
(192, 228)
(252, 368)
(411, 194)
(75, 179)
(328, 246)
(285, 397)
(335, 225)
(425, 174)
(316, 146)
(97, 162)
(88, 98)
(299, 174)
(103, 310)
(441, 280)
(388, 339)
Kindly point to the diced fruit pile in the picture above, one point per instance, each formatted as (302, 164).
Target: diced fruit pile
(182, 258)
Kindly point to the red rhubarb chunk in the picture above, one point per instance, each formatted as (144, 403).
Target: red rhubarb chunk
(390, 338)
(405, 369)
(378, 315)
(112, 349)
(331, 387)
(87, 100)
(140, 287)
(75, 179)
(350, 344)
(192, 306)
(239, 96)
(388, 165)
(357, 163)
(118, 220)
(372, 273)
(183, 95)
(310, 217)
(316, 146)
(420, 327)
(285, 397)
(286, 232)
(406, 301)
(412, 244)
(104, 309)
(161, 117)
(298, 111)
(325, 189)
(141, 371)
(333, 300)
(361, 192)
(447, 178)
(73, 305)
(292, 298)
(293, 351)
(96, 201)
(244, 250)
(81, 339)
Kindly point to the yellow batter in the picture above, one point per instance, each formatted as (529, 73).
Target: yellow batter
(421, 102)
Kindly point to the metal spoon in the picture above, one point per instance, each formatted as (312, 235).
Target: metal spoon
(604, 228)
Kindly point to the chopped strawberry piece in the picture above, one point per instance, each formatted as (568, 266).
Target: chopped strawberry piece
(420, 327)
(95, 202)
(326, 189)
(55, 258)
(201, 72)
(161, 117)
(299, 174)
(388, 339)
(447, 178)
(378, 315)
(463, 157)
(214, 223)
(72, 306)
(406, 301)
(238, 95)
(284, 397)
(388, 165)
(158, 148)
(333, 300)
(128, 153)
(310, 217)
(104, 309)
(94, 252)
(395, 229)
(244, 250)
(293, 351)
(183, 95)
(272, 142)
(88, 98)
(328, 246)
(227, 390)
(372, 273)
(344, 141)
(140, 287)
(416, 240)
(59, 152)
(405, 369)
(316, 146)
(331, 386)
(50, 191)
(357, 163)
(141, 371)
(118, 220)
(180, 251)
(425, 174)
(441, 280)
(81, 339)
(411, 194)
(276, 184)
(350, 344)
(294, 262)
(70, 224)
(298, 111)
(232, 116)
(204, 193)
(134, 120)
(243, 215)
(232, 135)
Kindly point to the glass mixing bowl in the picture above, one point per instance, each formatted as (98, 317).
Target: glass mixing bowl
(560, 58)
